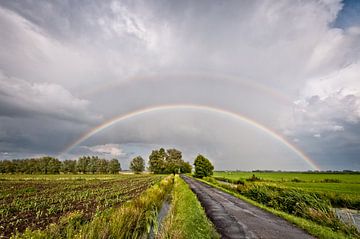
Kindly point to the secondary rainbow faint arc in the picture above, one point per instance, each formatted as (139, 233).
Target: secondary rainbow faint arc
(238, 116)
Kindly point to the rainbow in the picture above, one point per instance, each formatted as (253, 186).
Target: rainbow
(246, 81)
(234, 115)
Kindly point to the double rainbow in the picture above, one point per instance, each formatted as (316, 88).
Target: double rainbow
(251, 122)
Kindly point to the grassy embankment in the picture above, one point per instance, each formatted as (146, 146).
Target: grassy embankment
(186, 217)
(132, 219)
(308, 210)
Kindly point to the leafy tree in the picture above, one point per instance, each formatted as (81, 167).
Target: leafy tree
(92, 165)
(47, 165)
(173, 161)
(169, 161)
(68, 166)
(156, 161)
(203, 167)
(53, 166)
(102, 166)
(7, 166)
(137, 164)
(185, 167)
(114, 166)
(82, 164)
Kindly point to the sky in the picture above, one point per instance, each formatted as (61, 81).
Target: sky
(290, 68)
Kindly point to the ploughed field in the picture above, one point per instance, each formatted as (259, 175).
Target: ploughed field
(35, 201)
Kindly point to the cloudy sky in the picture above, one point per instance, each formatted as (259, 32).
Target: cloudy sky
(291, 66)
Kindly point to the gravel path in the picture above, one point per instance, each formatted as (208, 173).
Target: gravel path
(234, 218)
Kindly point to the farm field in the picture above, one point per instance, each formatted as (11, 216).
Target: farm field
(342, 189)
(345, 186)
(35, 201)
(289, 176)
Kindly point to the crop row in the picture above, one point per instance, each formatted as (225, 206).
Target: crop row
(35, 204)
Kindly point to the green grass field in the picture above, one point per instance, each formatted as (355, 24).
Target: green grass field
(289, 176)
(343, 186)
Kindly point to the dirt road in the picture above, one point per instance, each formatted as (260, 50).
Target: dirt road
(234, 218)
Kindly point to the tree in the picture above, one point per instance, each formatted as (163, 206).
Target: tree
(102, 166)
(48, 165)
(54, 166)
(82, 164)
(173, 161)
(137, 164)
(114, 166)
(169, 161)
(185, 167)
(157, 161)
(203, 167)
(91, 167)
(68, 166)
(7, 166)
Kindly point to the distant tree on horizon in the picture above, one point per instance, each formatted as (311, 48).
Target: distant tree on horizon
(114, 166)
(68, 166)
(51, 165)
(169, 161)
(137, 164)
(203, 167)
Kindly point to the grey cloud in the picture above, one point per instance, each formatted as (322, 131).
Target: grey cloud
(20, 98)
(71, 61)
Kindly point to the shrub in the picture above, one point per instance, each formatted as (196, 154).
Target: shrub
(296, 180)
(331, 180)
(253, 178)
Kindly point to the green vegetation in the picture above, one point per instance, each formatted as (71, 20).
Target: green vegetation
(314, 229)
(296, 198)
(290, 176)
(186, 217)
(203, 167)
(35, 201)
(341, 190)
(137, 165)
(49, 165)
(132, 220)
(169, 161)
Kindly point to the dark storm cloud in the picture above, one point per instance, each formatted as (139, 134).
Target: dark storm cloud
(19, 98)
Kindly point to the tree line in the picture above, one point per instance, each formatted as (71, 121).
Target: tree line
(50, 165)
(161, 161)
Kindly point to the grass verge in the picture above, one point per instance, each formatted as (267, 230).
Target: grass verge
(311, 227)
(186, 217)
(133, 219)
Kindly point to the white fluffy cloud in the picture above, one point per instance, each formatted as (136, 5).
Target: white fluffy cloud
(109, 149)
(328, 103)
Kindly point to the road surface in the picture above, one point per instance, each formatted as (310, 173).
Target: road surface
(234, 218)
